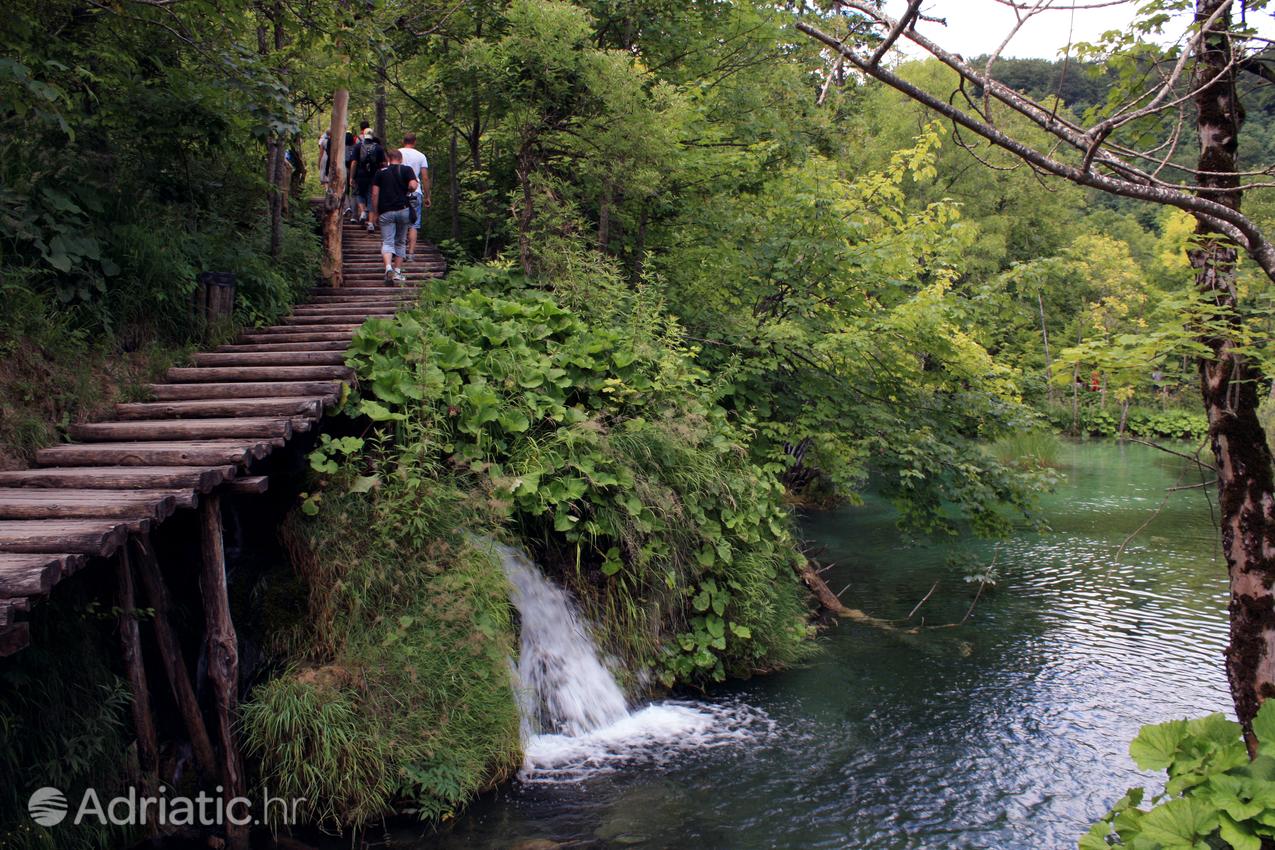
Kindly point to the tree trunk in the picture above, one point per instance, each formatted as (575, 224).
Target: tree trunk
(453, 187)
(1049, 362)
(379, 120)
(604, 216)
(275, 167)
(526, 212)
(1228, 384)
(335, 195)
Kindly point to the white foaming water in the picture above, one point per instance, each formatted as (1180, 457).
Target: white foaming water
(576, 721)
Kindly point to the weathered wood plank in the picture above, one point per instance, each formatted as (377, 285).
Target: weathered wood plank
(29, 574)
(198, 478)
(77, 536)
(36, 503)
(214, 408)
(158, 453)
(335, 318)
(177, 429)
(227, 374)
(14, 638)
(371, 290)
(252, 484)
(324, 345)
(270, 358)
(272, 333)
(297, 335)
(244, 389)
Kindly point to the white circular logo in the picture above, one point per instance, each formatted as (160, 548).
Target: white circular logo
(47, 806)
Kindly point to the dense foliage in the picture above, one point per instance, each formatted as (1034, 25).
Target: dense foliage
(1215, 796)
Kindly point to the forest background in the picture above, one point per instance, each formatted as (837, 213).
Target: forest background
(803, 286)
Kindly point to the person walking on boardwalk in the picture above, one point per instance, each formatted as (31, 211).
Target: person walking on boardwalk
(391, 210)
(419, 199)
(352, 143)
(371, 158)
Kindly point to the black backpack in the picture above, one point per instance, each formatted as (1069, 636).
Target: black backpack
(369, 157)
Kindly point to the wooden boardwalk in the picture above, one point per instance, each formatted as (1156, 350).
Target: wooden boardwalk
(198, 434)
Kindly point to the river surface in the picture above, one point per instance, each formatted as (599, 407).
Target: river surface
(1010, 731)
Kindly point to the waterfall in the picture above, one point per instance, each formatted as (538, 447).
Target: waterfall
(566, 689)
(576, 721)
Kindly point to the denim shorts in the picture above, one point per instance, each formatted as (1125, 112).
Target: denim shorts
(417, 200)
(394, 227)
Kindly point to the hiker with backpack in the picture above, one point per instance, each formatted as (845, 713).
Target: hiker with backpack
(371, 158)
(352, 143)
(391, 209)
(419, 199)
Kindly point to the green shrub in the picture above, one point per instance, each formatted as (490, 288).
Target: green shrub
(602, 446)
(1214, 797)
(398, 694)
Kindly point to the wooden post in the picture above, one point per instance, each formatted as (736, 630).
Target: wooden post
(131, 649)
(169, 649)
(335, 194)
(223, 657)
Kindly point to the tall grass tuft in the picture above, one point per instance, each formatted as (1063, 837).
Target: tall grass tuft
(1028, 449)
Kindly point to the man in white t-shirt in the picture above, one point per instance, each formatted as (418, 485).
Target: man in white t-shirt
(416, 161)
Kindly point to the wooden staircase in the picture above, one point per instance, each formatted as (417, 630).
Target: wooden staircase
(198, 434)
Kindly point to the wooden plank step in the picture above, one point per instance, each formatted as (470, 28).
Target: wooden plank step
(244, 389)
(302, 335)
(31, 574)
(33, 503)
(252, 484)
(218, 407)
(382, 293)
(219, 374)
(178, 453)
(182, 429)
(270, 358)
(76, 536)
(324, 345)
(175, 498)
(371, 290)
(385, 305)
(335, 318)
(295, 332)
(8, 608)
(201, 479)
(14, 639)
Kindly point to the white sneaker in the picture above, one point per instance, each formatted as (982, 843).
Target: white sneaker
(399, 277)
(389, 274)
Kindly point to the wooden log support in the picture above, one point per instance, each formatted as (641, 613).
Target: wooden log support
(198, 478)
(135, 670)
(152, 580)
(159, 453)
(223, 654)
(29, 575)
(295, 332)
(217, 374)
(77, 536)
(216, 408)
(182, 429)
(14, 638)
(251, 485)
(245, 389)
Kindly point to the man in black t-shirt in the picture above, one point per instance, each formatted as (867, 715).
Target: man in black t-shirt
(390, 188)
